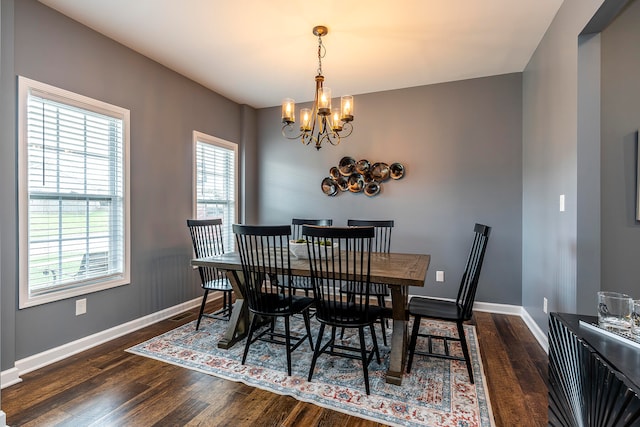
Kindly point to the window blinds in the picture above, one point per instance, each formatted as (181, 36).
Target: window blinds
(215, 186)
(75, 174)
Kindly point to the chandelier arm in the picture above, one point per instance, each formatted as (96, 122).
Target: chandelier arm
(306, 138)
(334, 138)
(287, 129)
(347, 128)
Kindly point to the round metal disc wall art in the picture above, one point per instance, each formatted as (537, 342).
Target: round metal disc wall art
(360, 176)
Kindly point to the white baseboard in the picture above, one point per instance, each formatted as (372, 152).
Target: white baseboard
(9, 377)
(515, 310)
(542, 338)
(12, 376)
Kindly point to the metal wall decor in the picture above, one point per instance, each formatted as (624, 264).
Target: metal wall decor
(360, 176)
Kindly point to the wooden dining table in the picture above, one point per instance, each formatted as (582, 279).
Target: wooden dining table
(397, 270)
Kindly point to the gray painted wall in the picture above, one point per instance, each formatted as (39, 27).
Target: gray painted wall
(498, 150)
(461, 145)
(550, 163)
(7, 187)
(165, 109)
(588, 178)
(620, 123)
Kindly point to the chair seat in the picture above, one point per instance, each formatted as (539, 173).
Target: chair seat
(345, 316)
(434, 308)
(278, 305)
(375, 289)
(218, 285)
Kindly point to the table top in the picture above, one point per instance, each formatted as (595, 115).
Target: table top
(390, 268)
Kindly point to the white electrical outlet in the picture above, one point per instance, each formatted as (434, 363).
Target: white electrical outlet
(562, 203)
(439, 276)
(544, 304)
(81, 306)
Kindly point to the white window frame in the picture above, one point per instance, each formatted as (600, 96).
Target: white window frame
(218, 142)
(26, 87)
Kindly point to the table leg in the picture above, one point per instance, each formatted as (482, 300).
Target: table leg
(399, 337)
(239, 321)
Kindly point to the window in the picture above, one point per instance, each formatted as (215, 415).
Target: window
(73, 194)
(214, 182)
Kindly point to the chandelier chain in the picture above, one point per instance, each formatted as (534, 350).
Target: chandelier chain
(321, 53)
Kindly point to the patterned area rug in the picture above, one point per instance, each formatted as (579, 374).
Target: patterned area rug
(436, 393)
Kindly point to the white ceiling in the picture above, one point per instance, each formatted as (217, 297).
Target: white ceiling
(257, 52)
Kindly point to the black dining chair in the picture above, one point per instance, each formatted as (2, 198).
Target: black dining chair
(381, 243)
(265, 257)
(338, 254)
(300, 282)
(206, 236)
(457, 311)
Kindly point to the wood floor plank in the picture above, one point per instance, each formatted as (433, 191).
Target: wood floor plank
(108, 386)
(505, 387)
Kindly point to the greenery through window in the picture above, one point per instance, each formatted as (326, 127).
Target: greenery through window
(73, 194)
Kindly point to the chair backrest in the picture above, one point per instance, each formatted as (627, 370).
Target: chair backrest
(382, 239)
(297, 223)
(206, 236)
(339, 255)
(471, 275)
(264, 254)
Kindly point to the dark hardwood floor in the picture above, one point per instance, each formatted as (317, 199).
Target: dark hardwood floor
(105, 386)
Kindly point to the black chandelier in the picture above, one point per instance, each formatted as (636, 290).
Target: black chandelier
(319, 123)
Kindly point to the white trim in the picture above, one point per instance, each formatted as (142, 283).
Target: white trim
(491, 307)
(31, 363)
(12, 376)
(542, 338)
(514, 310)
(220, 143)
(26, 87)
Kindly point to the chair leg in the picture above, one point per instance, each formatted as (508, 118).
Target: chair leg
(363, 352)
(204, 302)
(414, 339)
(465, 350)
(228, 303)
(307, 324)
(288, 343)
(333, 336)
(224, 302)
(252, 327)
(375, 344)
(316, 352)
(383, 321)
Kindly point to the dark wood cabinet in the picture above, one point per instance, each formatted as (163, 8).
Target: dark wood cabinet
(594, 380)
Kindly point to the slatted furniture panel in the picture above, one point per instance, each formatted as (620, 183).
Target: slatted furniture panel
(593, 379)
